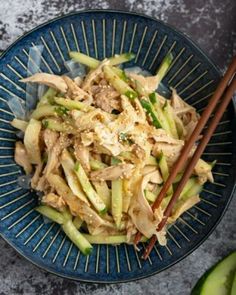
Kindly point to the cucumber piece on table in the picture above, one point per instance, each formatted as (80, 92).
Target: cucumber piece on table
(219, 280)
(233, 287)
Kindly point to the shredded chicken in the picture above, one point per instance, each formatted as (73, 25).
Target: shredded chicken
(82, 155)
(53, 81)
(50, 137)
(149, 84)
(113, 172)
(53, 154)
(141, 213)
(89, 120)
(153, 176)
(183, 110)
(92, 75)
(21, 157)
(54, 201)
(203, 171)
(170, 151)
(74, 91)
(107, 99)
(36, 176)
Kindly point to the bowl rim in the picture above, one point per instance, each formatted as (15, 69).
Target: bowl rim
(173, 28)
(219, 72)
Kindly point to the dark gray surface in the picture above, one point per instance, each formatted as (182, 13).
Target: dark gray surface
(212, 25)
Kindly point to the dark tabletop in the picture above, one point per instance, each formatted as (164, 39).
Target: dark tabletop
(212, 24)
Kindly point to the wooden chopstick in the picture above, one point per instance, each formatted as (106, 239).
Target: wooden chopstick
(220, 111)
(189, 144)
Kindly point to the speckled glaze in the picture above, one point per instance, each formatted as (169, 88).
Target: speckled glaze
(52, 284)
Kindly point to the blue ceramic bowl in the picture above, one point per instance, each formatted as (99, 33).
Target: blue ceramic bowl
(103, 34)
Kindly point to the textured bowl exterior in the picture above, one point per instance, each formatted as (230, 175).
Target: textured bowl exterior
(102, 34)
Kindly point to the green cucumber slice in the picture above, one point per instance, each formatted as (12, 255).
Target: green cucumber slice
(219, 280)
(233, 287)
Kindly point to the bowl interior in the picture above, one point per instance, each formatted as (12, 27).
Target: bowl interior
(102, 34)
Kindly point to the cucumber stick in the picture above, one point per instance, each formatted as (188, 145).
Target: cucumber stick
(104, 192)
(150, 196)
(99, 239)
(68, 165)
(65, 219)
(94, 198)
(72, 104)
(77, 222)
(185, 194)
(44, 111)
(165, 65)
(50, 213)
(151, 161)
(127, 195)
(148, 107)
(121, 74)
(94, 63)
(56, 125)
(76, 237)
(84, 59)
(194, 190)
(161, 116)
(120, 58)
(168, 112)
(121, 86)
(165, 171)
(188, 188)
(219, 280)
(96, 165)
(48, 97)
(116, 200)
(178, 177)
